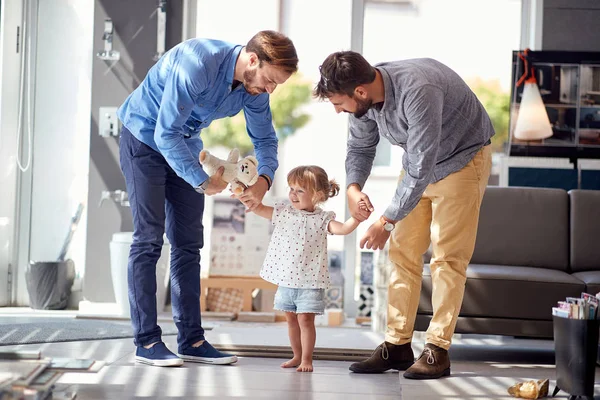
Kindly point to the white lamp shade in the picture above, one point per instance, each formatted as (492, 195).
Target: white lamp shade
(532, 122)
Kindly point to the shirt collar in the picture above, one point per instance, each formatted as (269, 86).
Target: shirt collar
(233, 60)
(390, 101)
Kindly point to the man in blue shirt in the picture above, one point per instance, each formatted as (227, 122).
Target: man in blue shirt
(194, 83)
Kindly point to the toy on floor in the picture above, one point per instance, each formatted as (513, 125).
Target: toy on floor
(530, 389)
(239, 173)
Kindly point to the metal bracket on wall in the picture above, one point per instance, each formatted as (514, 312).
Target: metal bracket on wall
(118, 196)
(108, 54)
(9, 286)
(161, 29)
(108, 122)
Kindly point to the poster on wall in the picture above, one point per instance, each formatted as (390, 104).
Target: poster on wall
(334, 295)
(367, 291)
(239, 240)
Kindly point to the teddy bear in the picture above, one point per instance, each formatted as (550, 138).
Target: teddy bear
(530, 389)
(239, 173)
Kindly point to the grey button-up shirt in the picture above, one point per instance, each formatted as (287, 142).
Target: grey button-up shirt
(433, 115)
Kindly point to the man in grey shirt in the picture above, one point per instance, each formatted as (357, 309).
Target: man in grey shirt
(424, 107)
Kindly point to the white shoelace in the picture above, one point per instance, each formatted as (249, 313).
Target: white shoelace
(385, 354)
(430, 357)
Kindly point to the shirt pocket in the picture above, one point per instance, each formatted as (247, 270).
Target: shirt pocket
(230, 107)
(395, 131)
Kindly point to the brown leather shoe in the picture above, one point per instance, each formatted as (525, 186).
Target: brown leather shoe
(433, 363)
(386, 356)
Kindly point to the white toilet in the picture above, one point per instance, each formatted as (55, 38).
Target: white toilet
(119, 255)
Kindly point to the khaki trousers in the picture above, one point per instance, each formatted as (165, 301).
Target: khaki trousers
(447, 215)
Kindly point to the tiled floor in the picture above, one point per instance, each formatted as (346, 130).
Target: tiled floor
(483, 368)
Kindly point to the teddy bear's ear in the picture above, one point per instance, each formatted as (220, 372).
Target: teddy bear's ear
(253, 160)
(234, 156)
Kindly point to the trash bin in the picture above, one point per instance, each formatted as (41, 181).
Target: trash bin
(119, 257)
(576, 348)
(49, 284)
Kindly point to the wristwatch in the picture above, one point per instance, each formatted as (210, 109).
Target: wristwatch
(202, 187)
(388, 226)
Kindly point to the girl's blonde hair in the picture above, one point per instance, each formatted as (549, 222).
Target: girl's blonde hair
(315, 181)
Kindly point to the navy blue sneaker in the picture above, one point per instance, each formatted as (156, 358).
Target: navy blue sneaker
(157, 355)
(205, 353)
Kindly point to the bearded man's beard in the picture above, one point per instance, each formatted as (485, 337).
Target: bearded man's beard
(362, 106)
(249, 80)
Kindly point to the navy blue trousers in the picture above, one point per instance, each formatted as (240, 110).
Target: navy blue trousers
(160, 199)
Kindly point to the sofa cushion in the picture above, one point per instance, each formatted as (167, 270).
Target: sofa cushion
(591, 280)
(585, 229)
(500, 291)
(524, 226)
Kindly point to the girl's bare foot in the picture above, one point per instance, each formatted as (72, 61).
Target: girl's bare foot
(293, 363)
(305, 367)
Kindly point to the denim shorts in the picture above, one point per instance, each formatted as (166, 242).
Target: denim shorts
(300, 300)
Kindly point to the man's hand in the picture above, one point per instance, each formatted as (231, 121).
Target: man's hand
(253, 195)
(375, 238)
(359, 204)
(216, 184)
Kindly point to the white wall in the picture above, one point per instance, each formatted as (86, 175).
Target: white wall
(61, 129)
(566, 25)
(10, 14)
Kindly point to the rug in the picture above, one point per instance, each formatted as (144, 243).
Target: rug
(50, 330)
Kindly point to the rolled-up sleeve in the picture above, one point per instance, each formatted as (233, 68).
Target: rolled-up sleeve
(186, 80)
(360, 151)
(259, 123)
(423, 108)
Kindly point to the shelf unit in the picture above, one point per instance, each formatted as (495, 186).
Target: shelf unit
(569, 83)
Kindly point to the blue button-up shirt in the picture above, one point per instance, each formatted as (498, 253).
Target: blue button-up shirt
(188, 88)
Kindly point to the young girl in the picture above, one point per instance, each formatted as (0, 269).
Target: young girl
(296, 259)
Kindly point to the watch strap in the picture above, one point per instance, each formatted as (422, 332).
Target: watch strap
(268, 179)
(202, 187)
